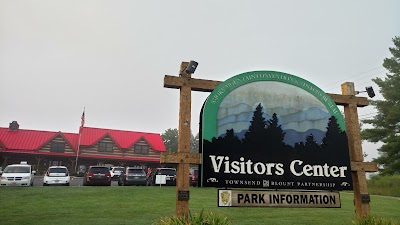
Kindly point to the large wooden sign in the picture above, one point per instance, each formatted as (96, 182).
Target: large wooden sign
(267, 129)
(347, 99)
(309, 199)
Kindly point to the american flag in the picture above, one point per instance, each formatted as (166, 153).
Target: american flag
(83, 119)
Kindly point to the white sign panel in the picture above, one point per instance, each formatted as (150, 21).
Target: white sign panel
(303, 199)
(161, 179)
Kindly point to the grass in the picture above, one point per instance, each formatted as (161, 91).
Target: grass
(384, 185)
(147, 205)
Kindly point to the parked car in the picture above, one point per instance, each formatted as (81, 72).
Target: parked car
(81, 171)
(170, 176)
(97, 175)
(17, 175)
(110, 166)
(56, 175)
(132, 176)
(194, 177)
(116, 172)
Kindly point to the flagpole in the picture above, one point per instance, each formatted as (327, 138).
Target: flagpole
(77, 152)
(79, 139)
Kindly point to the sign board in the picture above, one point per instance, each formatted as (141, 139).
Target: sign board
(305, 199)
(267, 129)
(161, 179)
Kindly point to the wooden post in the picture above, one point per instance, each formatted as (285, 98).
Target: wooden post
(184, 158)
(361, 196)
(72, 163)
(38, 159)
(5, 157)
(185, 101)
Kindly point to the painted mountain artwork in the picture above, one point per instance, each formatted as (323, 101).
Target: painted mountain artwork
(273, 130)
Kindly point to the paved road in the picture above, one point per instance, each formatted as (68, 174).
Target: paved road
(75, 181)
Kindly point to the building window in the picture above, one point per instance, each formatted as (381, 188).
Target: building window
(57, 147)
(55, 163)
(141, 149)
(106, 146)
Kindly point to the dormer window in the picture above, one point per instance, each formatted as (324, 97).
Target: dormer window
(57, 147)
(141, 149)
(106, 146)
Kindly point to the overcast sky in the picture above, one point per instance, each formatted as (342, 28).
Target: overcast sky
(57, 57)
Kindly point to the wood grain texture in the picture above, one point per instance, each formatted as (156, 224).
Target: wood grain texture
(355, 148)
(174, 157)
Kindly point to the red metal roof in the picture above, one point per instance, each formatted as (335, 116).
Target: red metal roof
(38, 153)
(31, 140)
(149, 159)
(124, 139)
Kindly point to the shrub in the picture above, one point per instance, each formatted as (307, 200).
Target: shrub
(370, 220)
(202, 218)
(384, 185)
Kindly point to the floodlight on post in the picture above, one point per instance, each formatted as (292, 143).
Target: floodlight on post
(191, 67)
(369, 90)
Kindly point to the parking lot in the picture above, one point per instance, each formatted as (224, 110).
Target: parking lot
(75, 181)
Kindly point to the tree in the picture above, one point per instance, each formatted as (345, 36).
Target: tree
(310, 143)
(257, 129)
(386, 123)
(275, 133)
(335, 143)
(333, 132)
(194, 143)
(170, 138)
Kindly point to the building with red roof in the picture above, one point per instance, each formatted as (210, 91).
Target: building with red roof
(91, 146)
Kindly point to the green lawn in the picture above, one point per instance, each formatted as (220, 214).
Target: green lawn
(146, 205)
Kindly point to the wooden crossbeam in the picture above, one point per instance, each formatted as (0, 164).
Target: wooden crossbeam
(195, 158)
(364, 166)
(349, 99)
(195, 84)
(177, 157)
(210, 85)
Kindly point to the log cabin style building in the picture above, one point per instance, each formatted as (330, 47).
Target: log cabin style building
(91, 146)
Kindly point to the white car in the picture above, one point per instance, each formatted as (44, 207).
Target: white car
(56, 175)
(116, 171)
(17, 175)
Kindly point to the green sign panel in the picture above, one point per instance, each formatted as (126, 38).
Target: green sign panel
(274, 130)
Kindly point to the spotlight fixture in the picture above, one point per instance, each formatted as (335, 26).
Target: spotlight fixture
(191, 67)
(369, 90)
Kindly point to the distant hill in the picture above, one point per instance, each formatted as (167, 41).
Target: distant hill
(296, 124)
(292, 136)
